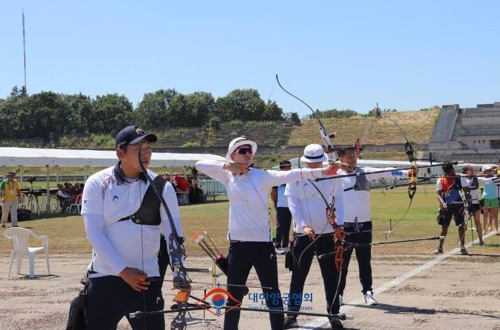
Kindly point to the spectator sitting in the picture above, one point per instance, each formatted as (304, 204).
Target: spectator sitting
(77, 189)
(64, 198)
(181, 183)
(68, 188)
(167, 177)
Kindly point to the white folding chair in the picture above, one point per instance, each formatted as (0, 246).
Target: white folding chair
(19, 237)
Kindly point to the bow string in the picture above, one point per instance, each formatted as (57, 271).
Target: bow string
(410, 153)
(176, 251)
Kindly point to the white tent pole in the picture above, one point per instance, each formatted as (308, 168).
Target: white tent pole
(22, 173)
(57, 175)
(47, 199)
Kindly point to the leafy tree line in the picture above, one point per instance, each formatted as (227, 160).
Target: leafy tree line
(46, 114)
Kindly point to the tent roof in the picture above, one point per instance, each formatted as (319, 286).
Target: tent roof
(93, 158)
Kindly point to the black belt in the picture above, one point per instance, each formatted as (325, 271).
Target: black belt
(315, 235)
(149, 279)
(352, 224)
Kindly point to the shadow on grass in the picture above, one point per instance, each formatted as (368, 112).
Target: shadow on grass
(484, 255)
(36, 277)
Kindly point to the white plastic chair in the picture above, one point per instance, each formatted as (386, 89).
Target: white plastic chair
(20, 237)
(182, 198)
(77, 207)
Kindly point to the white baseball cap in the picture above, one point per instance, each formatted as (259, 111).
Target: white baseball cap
(239, 141)
(486, 168)
(313, 153)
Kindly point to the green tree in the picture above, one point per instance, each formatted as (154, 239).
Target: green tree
(178, 112)
(152, 111)
(201, 106)
(82, 113)
(10, 108)
(113, 112)
(18, 93)
(273, 112)
(42, 114)
(240, 104)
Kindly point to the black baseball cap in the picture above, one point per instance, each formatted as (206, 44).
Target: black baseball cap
(448, 168)
(133, 135)
(285, 163)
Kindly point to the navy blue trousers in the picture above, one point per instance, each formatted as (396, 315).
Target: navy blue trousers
(261, 255)
(110, 298)
(302, 247)
(363, 255)
(284, 221)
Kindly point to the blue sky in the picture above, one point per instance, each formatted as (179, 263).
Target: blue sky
(406, 55)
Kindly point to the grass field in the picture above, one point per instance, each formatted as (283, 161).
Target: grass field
(67, 234)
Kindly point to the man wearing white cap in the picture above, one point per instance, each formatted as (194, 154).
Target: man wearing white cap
(354, 207)
(311, 204)
(470, 187)
(249, 226)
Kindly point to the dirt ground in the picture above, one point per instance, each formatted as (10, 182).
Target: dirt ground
(423, 291)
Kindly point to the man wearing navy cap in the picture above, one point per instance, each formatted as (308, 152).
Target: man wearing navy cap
(125, 246)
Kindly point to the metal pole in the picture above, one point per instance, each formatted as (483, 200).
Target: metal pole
(24, 54)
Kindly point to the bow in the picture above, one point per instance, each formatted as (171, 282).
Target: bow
(350, 245)
(176, 252)
(204, 305)
(330, 207)
(327, 141)
(409, 151)
(384, 171)
(325, 136)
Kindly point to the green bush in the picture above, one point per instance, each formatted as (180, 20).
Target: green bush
(191, 144)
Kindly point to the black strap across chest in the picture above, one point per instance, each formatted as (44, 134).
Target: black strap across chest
(149, 211)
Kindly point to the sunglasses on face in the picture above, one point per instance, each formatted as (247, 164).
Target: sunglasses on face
(244, 151)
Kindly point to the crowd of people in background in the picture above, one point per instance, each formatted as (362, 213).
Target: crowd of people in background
(67, 194)
(186, 184)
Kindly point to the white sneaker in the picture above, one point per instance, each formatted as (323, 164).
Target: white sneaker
(340, 300)
(368, 298)
(280, 251)
(291, 322)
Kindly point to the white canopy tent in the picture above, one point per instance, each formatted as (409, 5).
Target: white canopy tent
(34, 157)
(92, 158)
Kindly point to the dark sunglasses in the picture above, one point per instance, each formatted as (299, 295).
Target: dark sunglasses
(243, 151)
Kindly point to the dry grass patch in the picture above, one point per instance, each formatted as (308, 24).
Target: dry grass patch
(417, 124)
